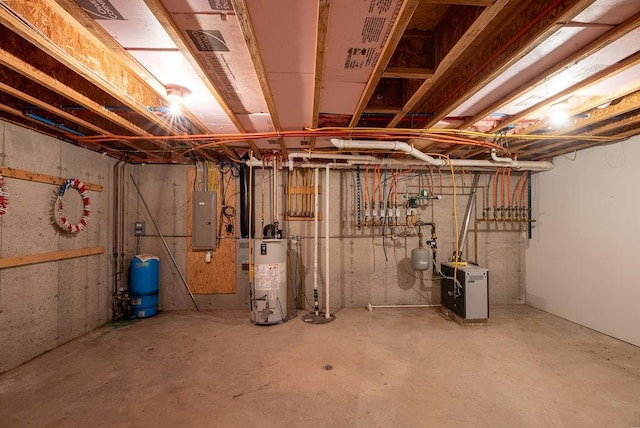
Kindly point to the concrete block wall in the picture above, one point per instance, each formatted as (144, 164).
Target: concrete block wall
(360, 272)
(47, 304)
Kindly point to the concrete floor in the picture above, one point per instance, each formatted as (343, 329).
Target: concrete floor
(386, 368)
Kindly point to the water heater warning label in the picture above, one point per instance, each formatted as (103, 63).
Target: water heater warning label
(268, 276)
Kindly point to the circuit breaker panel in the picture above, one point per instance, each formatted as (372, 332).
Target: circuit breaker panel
(203, 221)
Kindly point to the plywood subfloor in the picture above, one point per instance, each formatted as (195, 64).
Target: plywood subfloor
(386, 368)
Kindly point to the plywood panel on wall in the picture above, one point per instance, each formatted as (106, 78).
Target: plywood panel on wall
(218, 276)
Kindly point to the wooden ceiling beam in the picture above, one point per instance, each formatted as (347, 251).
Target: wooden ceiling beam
(51, 29)
(602, 41)
(451, 57)
(89, 145)
(407, 73)
(533, 25)
(399, 26)
(244, 19)
(588, 145)
(633, 120)
(625, 101)
(163, 16)
(32, 73)
(483, 3)
(321, 49)
(594, 79)
(68, 116)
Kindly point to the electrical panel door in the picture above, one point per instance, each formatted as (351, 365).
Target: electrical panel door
(203, 226)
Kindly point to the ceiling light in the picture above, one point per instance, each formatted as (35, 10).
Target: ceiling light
(176, 94)
(559, 114)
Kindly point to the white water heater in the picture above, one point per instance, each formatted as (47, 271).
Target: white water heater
(269, 286)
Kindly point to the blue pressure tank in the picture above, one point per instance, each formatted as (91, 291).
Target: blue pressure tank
(144, 285)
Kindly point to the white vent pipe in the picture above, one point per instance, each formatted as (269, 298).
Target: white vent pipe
(426, 159)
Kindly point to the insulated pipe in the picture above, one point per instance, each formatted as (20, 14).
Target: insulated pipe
(406, 148)
(315, 244)
(327, 314)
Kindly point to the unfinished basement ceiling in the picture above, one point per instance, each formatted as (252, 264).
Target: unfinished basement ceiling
(451, 77)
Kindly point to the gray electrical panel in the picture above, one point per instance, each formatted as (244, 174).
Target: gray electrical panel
(203, 221)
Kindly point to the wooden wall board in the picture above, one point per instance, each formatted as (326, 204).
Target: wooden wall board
(218, 276)
(7, 262)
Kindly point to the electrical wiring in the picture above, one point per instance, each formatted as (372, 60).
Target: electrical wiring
(447, 136)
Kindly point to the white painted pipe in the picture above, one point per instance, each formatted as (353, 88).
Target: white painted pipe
(371, 307)
(428, 160)
(396, 146)
(332, 156)
(275, 195)
(315, 241)
(497, 158)
(327, 314)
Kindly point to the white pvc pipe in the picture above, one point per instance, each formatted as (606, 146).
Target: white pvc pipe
(406, 148)
(371, 307)
(275, 195)
(497, 158)
(332, 156)
(327, 314)
(315, 241)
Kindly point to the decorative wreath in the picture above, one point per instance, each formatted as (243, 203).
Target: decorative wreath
(63, 223)
(4, 200)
